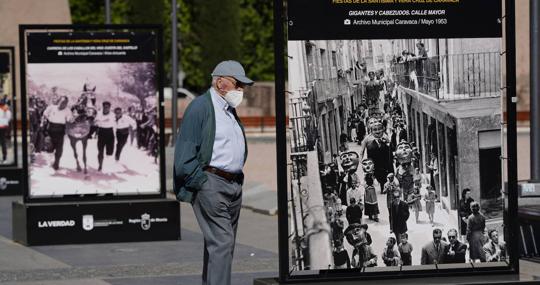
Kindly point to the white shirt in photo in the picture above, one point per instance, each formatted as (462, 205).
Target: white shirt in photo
(126, 122)
(105, 121)
(54, 115)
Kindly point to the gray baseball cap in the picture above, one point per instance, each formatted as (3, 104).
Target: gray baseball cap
(233, 69)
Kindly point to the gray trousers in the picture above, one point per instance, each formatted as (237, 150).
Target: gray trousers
(217, 209)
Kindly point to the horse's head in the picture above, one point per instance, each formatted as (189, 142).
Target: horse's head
(89, 92)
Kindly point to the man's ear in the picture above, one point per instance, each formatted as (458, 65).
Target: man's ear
(218, 85)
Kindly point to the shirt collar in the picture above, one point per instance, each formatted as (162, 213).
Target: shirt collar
(220, 101)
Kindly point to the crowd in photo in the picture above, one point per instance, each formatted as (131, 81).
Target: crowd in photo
(55, 118)
(386, 163)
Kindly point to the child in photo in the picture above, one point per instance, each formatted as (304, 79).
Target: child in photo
(405, 250)
(390, 255)
(371, 205)
(414, 202)
(430, 199)
(341, 257)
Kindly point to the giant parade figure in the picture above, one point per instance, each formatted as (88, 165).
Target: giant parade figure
(405, 169)
(362, 255)
(348, 178)
(378, 149)
(371, 186)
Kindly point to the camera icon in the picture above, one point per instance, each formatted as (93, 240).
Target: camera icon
(347, 22)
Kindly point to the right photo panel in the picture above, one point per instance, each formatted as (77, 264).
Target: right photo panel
(394, 138)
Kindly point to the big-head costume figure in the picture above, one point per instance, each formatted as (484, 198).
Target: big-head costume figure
(363, 255)
(349, 164)
(405, 170)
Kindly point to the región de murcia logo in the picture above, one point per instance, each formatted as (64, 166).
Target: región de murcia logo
(146, 221)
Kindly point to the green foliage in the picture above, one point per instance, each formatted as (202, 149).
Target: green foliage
(257, 39)
(190, 44)
(93, 12)
(137, 79)
(209, 31)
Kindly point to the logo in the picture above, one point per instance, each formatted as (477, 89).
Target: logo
(145, 221)
(87, 222)
(56, 224)
(4, 183)
(347, 22)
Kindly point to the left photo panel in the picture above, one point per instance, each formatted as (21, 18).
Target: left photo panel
(92, 102)
(8, 137)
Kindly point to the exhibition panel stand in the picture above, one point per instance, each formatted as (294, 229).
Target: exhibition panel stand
(401, 141)
(10, 170)
(93, 136)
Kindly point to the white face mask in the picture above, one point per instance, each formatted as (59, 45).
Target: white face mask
(234, 97)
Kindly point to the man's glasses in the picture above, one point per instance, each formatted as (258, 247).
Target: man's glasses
(237, 84)
(451, 237)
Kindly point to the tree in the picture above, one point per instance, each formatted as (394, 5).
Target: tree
(209, 31)
(137, 79)
(257, 40)
(93, 12)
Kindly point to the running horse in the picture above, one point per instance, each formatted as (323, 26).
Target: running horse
(78, 128)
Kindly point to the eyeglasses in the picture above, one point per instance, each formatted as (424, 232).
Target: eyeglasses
(237, 84)
(451, 237)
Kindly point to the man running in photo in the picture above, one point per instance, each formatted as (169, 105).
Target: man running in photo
(124, 123)
(105, 122)
(57, 116)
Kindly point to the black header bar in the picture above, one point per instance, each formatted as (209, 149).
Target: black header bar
(65, 47)
(393, 19)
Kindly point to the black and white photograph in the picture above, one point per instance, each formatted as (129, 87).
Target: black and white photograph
(7, 122)
(93, 128)
(395, 153)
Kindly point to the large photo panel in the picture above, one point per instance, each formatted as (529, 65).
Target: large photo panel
(8, 123)
(93, 113)
(395, 137)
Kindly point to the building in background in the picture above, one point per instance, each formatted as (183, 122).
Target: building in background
(452, 102)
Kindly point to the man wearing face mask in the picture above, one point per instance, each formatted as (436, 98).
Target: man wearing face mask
(210, 152)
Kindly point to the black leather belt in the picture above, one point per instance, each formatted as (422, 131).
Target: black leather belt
(231, 177)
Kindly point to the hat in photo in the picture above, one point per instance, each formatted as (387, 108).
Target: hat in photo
(233, 69)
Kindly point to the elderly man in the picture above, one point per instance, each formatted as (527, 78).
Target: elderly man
(210, 152)
(434, 251)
